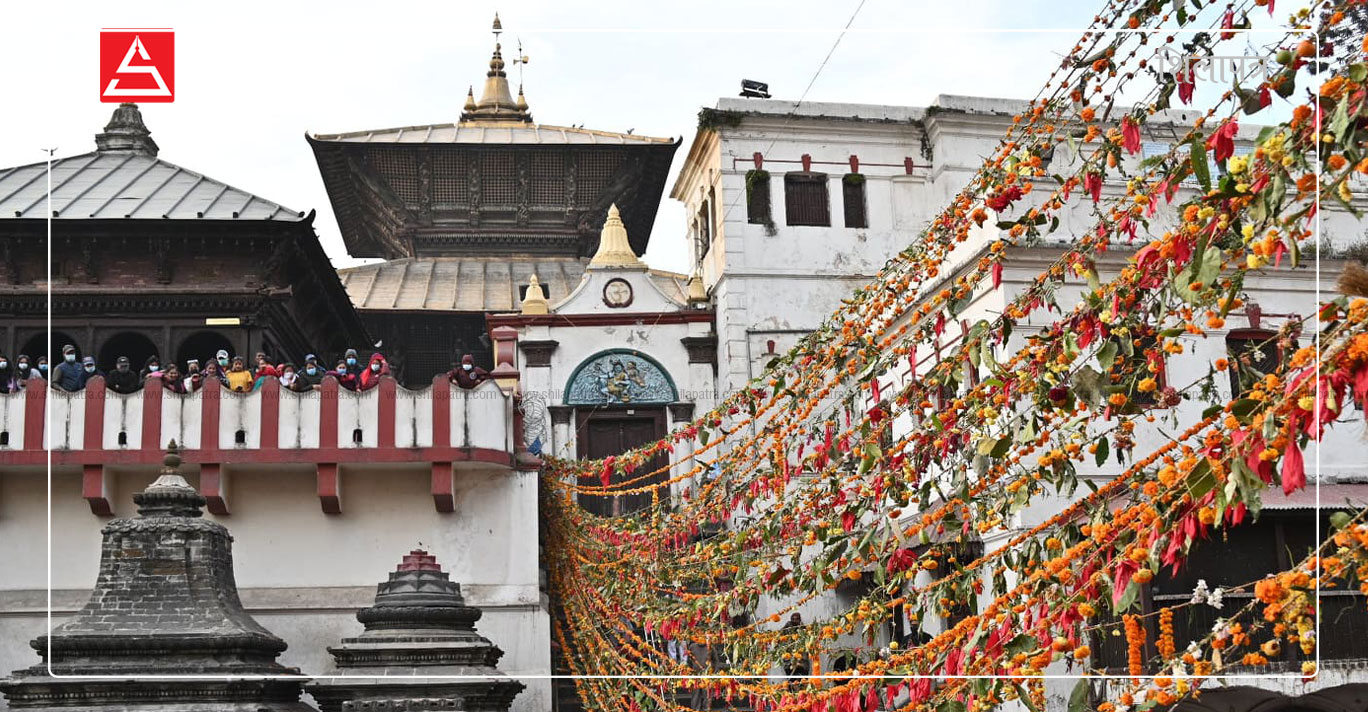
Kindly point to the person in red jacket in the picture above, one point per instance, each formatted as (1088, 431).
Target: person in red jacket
(344, 378)
(370, 377)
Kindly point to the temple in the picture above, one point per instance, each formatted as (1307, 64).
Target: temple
(465, 213)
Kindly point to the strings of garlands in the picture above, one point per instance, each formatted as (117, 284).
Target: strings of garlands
(1275, 447)
(958, 234)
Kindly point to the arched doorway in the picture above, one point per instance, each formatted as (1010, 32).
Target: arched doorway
(37, 345)
(202, 345)
(619, 397)
(135, 346)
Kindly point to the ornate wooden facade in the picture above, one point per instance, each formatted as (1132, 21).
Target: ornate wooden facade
(150, 258)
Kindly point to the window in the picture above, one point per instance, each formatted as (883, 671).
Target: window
(1253, 353)
(758, 198)
(805, 200)
(704, 226)
(853, 191)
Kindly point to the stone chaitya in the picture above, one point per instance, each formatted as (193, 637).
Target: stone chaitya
(165, 603)
(420, 628)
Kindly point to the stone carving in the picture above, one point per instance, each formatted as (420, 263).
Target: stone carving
(473, 183)
(524, 191)
(619, 378)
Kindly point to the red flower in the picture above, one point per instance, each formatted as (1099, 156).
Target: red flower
(1004, 199)
(1222, 142)
(848, 520)
(901, 560)
(1092, 183)
(1186, 85)
(1130, 133)
(1293, 469)
(997, 275)
(606, 476)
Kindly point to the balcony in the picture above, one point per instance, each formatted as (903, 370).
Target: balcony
(449, 428)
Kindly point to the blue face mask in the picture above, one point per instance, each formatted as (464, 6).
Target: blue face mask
(223, 362)
(311, 371)
(351, 362)
(90, 369)
(42, 367)
(70, 358)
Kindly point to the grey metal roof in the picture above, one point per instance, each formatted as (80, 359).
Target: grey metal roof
(472, 284)
(468, 284)
(104, 185)
(493, 132)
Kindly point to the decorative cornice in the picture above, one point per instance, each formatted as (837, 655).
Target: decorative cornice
(561, 414)
(681, 412)
(538, 353)
(701, 349)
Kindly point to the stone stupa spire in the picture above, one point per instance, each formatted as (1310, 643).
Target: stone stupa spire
(165, 603)
(419, 626)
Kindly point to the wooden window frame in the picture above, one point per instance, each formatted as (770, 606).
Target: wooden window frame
(796, 213)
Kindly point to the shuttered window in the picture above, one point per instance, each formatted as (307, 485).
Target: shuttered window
(805, 200)
(853, 192)
(758, 198)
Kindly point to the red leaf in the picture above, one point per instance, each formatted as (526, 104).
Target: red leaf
(997, 275)
(1293, 469)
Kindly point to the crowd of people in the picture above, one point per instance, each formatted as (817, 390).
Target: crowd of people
(232, 372)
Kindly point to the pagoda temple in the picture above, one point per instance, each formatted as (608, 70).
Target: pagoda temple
(465, 214)
(150, 258)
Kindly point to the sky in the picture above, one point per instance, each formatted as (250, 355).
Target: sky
(253, 77)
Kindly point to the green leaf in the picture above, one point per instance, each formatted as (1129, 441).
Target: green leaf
(1103, 450)
(1025, 698)
(1128, 598)
(1358, 73)
(1340, 520)
(1106, 356)
(1197, 155)
(1080, 700)
(1000, 449)
(950, 706)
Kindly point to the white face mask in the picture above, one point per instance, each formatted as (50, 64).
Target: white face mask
(90, 369)
(375, 367)
(4, 364)
(466, 367)
(154, 368)
(70, 358)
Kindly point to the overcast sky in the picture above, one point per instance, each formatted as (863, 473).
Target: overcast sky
(253, 77)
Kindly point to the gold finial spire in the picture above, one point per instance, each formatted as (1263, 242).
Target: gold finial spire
(614, 250)
(496, 100)
(470, 99)
(535, 300)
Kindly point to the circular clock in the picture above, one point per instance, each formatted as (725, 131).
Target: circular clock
(617, 293)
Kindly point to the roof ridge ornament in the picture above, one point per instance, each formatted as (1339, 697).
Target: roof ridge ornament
(496, 99)
(614, 249)
(534, 301)
(126, 133)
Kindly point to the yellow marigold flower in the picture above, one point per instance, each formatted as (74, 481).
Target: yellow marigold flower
(1117, 399)
(1147, 385)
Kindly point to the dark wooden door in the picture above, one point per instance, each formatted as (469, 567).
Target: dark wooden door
(605, 432)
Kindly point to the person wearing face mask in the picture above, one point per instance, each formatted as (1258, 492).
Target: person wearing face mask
(221, 358)
(311, 377)
(89, 370)
(9, 376)
(122, 379)
(68, 375)
(239, 378)
(468, 375)
(24, 371)
(41, 371)
(370, 377)
(353, 362)
(151, 368)
(171, 380)
(287, 375)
